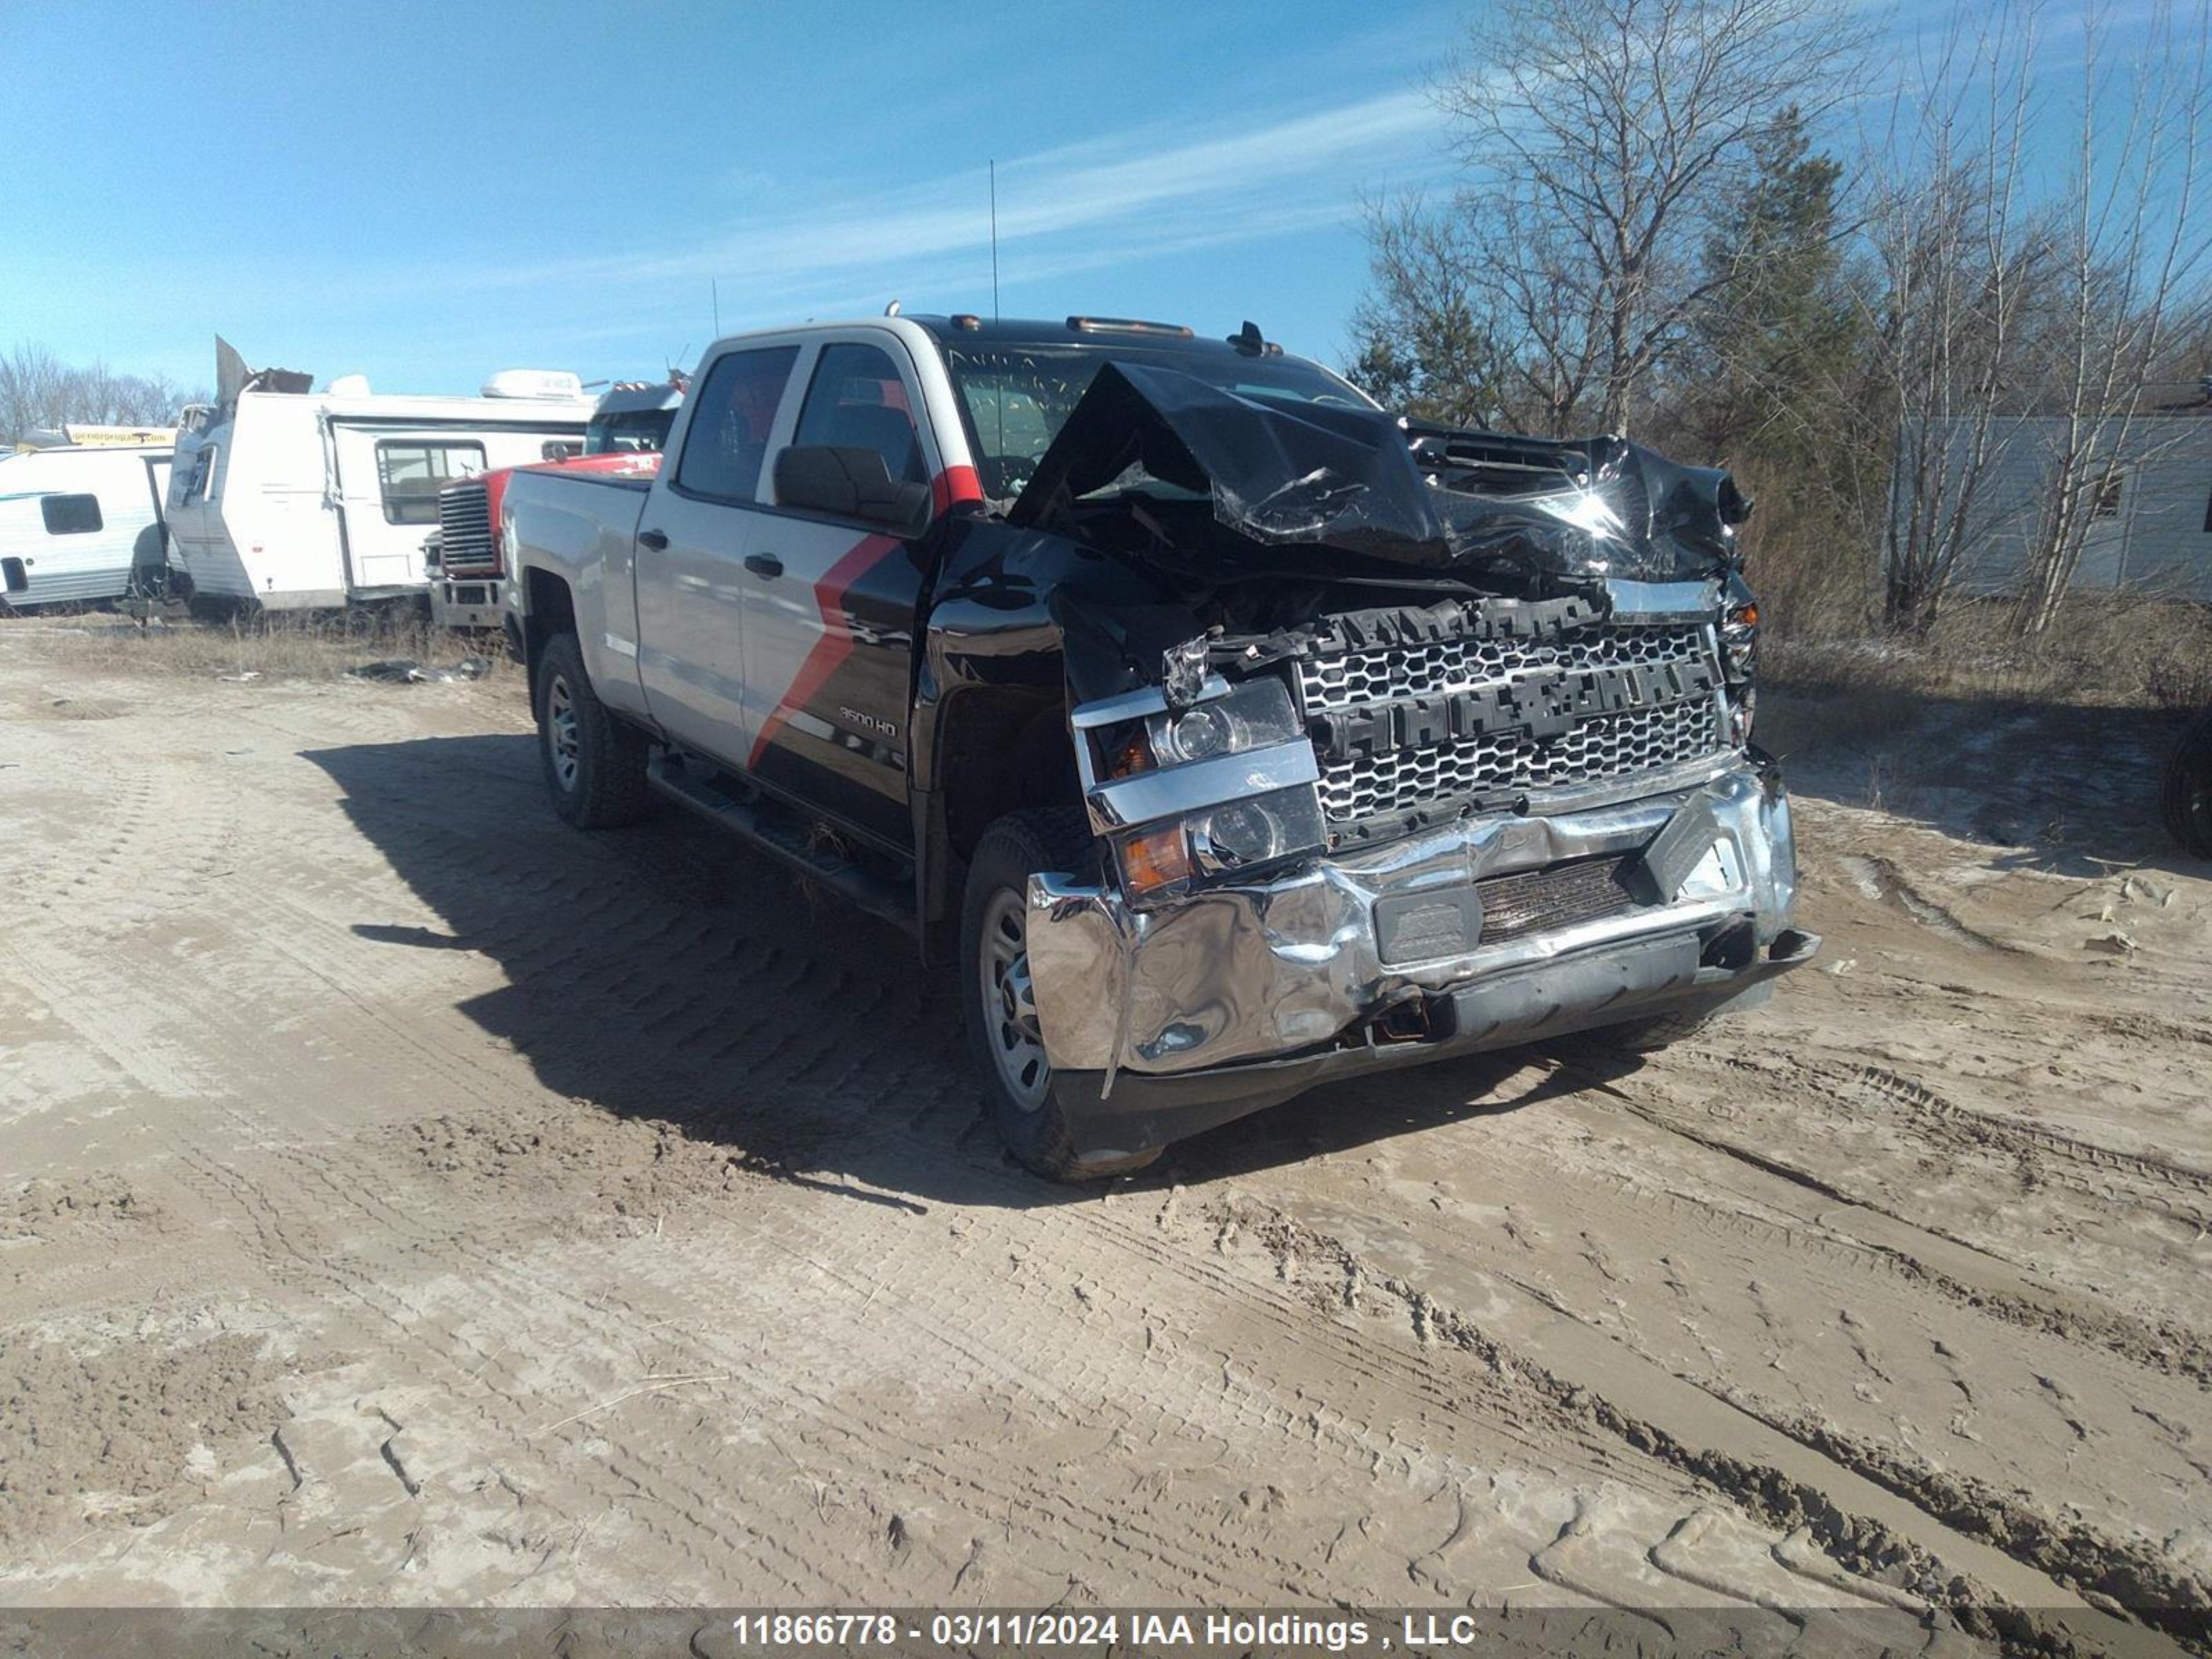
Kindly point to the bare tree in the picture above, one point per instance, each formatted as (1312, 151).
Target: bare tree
(33, 387)
(1956, 278)
(1424, 346)
(2023, 320)
(39, 391)
(2132, 266)
(1600, 141)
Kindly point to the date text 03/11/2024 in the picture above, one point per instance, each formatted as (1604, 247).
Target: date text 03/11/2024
(1065, 1628)
(1071, 1629)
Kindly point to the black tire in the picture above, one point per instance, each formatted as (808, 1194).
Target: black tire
(2185, 792)
(1017, 1085)
(594, 763)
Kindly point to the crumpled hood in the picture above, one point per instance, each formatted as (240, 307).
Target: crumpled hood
(1363, 482)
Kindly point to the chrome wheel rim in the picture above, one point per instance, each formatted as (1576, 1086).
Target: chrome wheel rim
(1010, 1015)
(560, 745)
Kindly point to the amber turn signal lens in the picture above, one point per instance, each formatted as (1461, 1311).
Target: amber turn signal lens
(1157, 859)
(1744, 615)
(1133, 754)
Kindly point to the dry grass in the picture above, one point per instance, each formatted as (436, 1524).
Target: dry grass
(266, 647)
(2105, 652)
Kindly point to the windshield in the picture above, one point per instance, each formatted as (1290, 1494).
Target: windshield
(638, 432)
(1016, 397)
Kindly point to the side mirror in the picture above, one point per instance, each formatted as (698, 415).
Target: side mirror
(846, 483)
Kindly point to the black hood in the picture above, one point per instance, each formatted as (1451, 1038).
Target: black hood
(1368, 485)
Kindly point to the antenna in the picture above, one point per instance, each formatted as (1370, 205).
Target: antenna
(714, 283)
(994, 239)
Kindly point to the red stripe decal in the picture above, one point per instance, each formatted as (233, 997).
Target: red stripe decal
(954, 484)
(835, 644)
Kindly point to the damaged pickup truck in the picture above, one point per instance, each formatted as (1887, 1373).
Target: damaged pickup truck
(1234, 734)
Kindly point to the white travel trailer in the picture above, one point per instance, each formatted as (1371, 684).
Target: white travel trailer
(287, 500)
(81, 524)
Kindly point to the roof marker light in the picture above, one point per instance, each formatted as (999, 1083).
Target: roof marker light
(1128, 326)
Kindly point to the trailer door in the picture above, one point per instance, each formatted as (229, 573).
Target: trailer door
(157, 480)
(386, 485)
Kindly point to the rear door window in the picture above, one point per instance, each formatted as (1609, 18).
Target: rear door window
(858, 401)
(70, 515)
(733, 416)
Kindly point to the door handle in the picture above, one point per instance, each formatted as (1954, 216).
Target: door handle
(764, 564)
(654, 540)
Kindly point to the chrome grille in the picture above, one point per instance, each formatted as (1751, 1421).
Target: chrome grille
(1350, 678)
(1597, 750)
(464, 533)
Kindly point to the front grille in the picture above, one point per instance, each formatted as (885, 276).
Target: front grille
(465, 535)
(1537, 900)
(1600, 748)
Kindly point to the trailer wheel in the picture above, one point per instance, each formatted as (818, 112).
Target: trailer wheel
(594, 763)
(2185, 792)
(1000, 1013)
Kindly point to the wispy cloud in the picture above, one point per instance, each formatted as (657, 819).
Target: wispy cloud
(1158, 189)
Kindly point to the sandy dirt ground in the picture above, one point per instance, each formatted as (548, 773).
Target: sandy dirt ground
(404, 1198)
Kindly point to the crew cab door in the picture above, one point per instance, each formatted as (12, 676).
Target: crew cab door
(699, 518)
(830, 602)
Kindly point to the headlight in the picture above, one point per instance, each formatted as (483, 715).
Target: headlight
(1245, 833)
(1212, 790)
(1255, 716)
(1740, 666)
(1743, 709)
(1224, 840)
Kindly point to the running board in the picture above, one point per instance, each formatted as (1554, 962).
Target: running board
(787, 838)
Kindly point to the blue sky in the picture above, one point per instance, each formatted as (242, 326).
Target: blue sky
(423, 193)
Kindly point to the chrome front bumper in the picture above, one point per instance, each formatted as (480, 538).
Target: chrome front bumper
(1207, 993)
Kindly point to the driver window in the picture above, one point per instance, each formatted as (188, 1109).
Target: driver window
(858, 401)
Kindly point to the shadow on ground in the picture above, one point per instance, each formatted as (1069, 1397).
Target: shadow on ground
(666, 972)
(2046, 786)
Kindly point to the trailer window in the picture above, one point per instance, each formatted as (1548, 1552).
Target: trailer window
(411, 472)
(70, 515)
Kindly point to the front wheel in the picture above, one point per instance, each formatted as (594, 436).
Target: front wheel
(1001, 1006)
(594, 763)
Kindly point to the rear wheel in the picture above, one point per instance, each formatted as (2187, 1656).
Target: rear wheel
(594, 763)
(2187, 792)
(998, 1001)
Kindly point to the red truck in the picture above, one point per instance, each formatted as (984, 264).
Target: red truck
(462, 557)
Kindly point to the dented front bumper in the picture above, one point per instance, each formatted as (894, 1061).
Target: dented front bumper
(1160, 1022)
